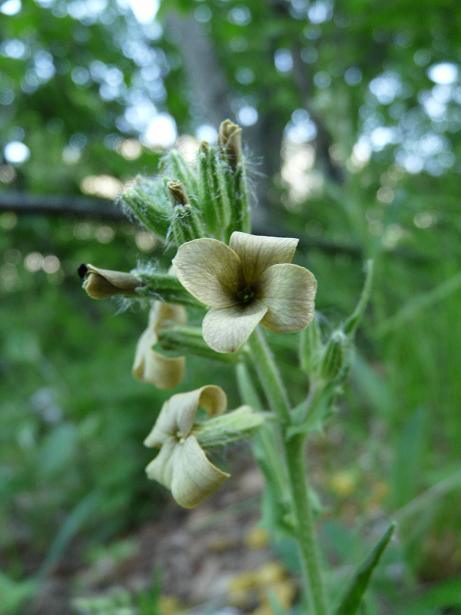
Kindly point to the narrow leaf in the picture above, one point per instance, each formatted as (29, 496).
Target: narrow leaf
(354, 593)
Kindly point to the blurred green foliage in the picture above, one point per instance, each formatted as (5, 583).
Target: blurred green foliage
(355, 107)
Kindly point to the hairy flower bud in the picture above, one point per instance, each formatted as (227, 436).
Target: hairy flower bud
(103, 283)
(147, 200)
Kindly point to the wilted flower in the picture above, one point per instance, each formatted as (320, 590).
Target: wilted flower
(151, 366)
(181, 464)
(250, 281)
(103, 283)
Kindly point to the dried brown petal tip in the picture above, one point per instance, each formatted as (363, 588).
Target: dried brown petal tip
(230, 142)
(103, 283)
(177, 193)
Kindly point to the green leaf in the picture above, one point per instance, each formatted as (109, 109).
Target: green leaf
(69, 529)
(352, 598)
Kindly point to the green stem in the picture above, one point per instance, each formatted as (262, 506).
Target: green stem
(305, 525)
(267, 439)
(269, 376)
(294, 457)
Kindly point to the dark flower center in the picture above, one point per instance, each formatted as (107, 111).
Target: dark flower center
(246, 295)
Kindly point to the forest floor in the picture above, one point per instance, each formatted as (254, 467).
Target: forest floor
(213, 559)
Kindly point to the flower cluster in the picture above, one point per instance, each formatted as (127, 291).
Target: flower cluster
(242, 280)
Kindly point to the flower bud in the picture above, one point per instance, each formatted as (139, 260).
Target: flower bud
(209, 212)
(175, 166)
(147, 200)
(334, 356)
(104, 283)
(230, 143)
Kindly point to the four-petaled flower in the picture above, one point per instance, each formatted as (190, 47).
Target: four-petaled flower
(151, 366)
(181, 464)
(250, 281)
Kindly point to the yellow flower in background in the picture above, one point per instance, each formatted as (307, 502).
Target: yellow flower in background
(251, 281)
(181, 464)
(151, 366)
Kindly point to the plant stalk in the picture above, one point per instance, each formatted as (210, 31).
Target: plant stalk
(269, 376)
(294, 458)
(305, 525)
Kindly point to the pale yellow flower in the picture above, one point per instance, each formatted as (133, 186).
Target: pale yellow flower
(151, 366)
(250, 281)
(181, 464)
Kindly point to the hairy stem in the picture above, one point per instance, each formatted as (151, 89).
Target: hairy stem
(305, 525)
(269, 376)
(294, 458)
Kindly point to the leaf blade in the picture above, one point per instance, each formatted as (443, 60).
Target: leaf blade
(353, 595)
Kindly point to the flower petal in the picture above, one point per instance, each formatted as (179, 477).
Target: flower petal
(166, 313)
(150, 366)
(194, 476)
(177, 415)
(226, 329)
(257, 253)
(102, 283)
(162, 467)
(209, 270)
(289, 293)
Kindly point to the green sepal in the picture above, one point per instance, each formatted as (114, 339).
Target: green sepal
(176, 167)
(182, 340)
(163, 287)
(310, 347)
(229, 427)
(185, 225)
(352, 598)
(209, 212)
(220, 196)
(241, 213)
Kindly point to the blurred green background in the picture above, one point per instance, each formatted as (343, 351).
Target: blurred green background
(351, 115)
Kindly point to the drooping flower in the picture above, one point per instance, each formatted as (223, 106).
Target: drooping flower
(103, 283)
(151, 366)
(181, 464)
(250, 281)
